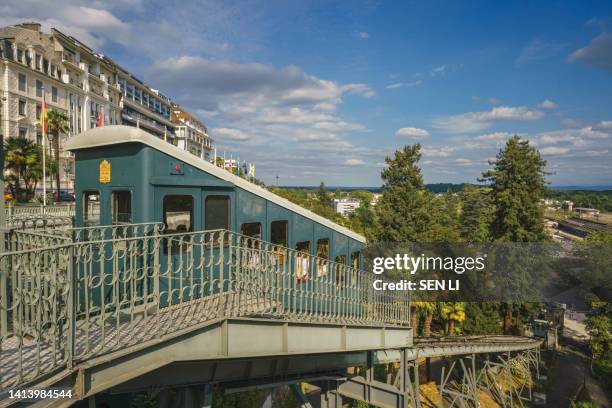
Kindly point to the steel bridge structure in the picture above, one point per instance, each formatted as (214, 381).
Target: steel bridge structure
(127, 308)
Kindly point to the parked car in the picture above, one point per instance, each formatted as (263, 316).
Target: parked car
(65, 196)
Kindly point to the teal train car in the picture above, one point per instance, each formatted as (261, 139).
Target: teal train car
(136, 177)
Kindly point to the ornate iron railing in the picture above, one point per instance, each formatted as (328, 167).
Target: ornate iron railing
(54, 210)
(68, 297)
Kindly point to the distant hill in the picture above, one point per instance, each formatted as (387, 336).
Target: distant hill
(581, 188)
(434, 188)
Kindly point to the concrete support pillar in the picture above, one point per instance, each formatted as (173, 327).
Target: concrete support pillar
(329, 397)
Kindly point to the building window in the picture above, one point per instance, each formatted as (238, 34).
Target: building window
(23, 132)
(38, 59)
(20, 55)
(217, 213)
(178, 213)
(22, 107)
(38, 110)
(340, 271)
(91, 208)
(38, 138)
(46, 66)
(54, 93)
(39, 88)
(23, 83)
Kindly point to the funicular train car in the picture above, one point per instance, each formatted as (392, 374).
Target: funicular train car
(215, 225)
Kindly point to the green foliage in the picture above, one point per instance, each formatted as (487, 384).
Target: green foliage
(323, 196)
(483, 318)
(23, 162)
(405, 210)
(476, 214)
(517, 183)
(143, 400)
(601, 200)
(599, 326)
(57, 123)
(585, 404)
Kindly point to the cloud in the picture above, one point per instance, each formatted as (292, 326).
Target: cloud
(548, 104)
(364, 35)
(497, 136)
(354, 162)
(477, 121)
(404, 84)
(412, 133)
(431, 151)
(605, 125)
(229, 134)
(552, 150)
(538, 50)
(598, 53)
(438, 70)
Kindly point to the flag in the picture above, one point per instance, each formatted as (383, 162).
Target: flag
(100, 119)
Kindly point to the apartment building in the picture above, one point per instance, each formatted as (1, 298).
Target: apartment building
(90, 88)
(191, 134)
(73, 79)
(144, 107)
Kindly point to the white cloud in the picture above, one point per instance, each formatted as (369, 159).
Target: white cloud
(496, 136)
(477, 121)
(548, 104)
(229, 134)
(438, 70)
(354, 162)
(404, 84)
(430, 151)
(552, 150)
(412, 133)
(364, 35)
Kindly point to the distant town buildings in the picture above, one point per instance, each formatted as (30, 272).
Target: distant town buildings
(346, 206)
(191, 134)
(90, 88)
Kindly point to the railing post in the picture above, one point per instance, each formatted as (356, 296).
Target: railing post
(71, 307)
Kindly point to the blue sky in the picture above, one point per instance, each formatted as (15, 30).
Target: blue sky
(324, 90)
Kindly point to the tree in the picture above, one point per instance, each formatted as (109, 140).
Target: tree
(23, 160)
(453, 313)
(476, 212)
(404, 210)
(58, 124)
(427, 309)
(517, 186)
(517, 183)
(323, 197)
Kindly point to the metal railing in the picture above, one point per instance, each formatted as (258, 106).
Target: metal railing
(68, 297)
(38, 210)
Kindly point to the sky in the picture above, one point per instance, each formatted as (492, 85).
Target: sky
(325, 90)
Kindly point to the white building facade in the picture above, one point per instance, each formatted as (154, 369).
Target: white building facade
(346, 206)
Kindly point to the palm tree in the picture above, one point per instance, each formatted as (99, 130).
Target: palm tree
(429, 308)
(452, 312)
(57, 123)
(23, 159)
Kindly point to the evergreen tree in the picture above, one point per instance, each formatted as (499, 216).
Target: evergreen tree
(476, 212)
(404, 210)
(323, 197)
(517, 183)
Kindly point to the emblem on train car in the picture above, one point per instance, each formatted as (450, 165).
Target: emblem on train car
(105, 172)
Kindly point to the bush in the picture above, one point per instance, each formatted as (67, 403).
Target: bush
(603, 369)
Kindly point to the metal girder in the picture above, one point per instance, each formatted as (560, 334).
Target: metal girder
(299, 395)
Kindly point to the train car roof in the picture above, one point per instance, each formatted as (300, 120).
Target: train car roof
(118, 134)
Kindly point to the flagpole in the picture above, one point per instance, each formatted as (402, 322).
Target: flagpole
(44, 149)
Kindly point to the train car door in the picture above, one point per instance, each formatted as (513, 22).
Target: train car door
(179, 252)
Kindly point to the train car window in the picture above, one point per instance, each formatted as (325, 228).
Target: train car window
(279, 233)
(322, 257)
(355, 260)
(91, 208)
(121, 210)
(279, 236)
(178, 213)
(302, 260)
(217, 213)
(251, 229)
(340, 271)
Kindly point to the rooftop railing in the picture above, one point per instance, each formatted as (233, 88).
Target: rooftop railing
(85, 292)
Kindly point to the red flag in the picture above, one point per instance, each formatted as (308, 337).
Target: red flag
(43, 116)
(100, 119)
